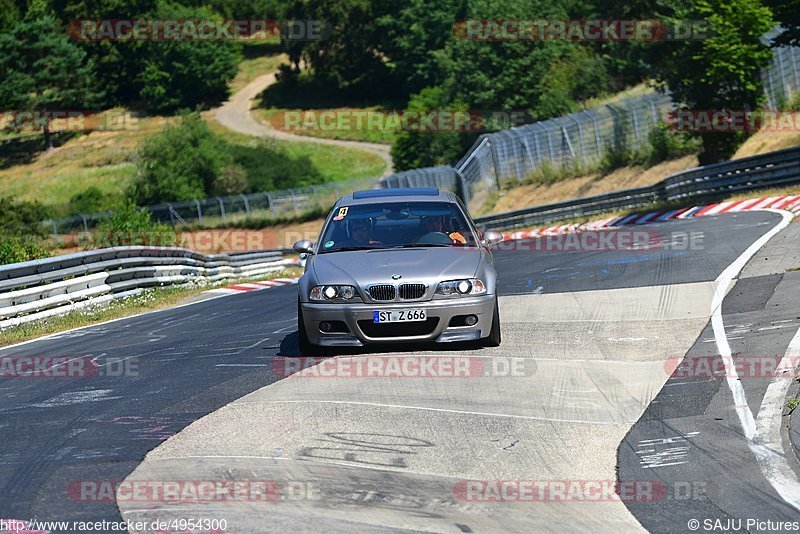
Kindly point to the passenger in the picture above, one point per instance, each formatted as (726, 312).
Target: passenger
(435, 223)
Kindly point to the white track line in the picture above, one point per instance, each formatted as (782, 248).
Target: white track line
(768, 446)
(770, 461)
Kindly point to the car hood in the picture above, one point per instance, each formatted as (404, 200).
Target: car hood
(430, 264)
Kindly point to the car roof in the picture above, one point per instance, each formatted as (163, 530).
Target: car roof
(406, 194)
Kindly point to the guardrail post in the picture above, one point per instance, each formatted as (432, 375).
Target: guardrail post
(494, 163)
(221, 208)
(199, 211)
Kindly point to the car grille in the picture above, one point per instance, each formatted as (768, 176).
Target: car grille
(416, 328)
(412, 291)
(382, 292)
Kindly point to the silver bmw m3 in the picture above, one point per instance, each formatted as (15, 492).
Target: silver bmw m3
(398, 265)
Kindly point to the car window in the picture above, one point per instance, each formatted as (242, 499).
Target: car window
(397, 224)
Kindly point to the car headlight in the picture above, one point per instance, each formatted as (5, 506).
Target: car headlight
(332, 292)
(471, 286)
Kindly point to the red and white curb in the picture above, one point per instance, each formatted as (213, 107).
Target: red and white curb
(245, 287)
(789, 203)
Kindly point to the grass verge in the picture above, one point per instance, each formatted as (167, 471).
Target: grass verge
(149, 300)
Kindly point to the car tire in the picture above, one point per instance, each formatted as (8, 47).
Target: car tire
(306, 347)
(493, 339)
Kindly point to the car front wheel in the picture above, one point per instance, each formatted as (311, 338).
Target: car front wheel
(493, 339)
(306, 347)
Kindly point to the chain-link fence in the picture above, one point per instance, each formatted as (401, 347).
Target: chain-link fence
(212, 211)
(580, 139)
(782, 78)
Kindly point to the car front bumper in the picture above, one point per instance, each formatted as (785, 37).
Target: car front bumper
(361, 330)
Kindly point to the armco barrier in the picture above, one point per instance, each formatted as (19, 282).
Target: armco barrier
(41, 288)
(773, 169)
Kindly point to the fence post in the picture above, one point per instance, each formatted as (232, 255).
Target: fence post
(462, 183)
(221, 208)
(492, 151)
(171, 216)
(596, 129)
(199, 211)
(246, 203)
(55, 229)
(85, 224)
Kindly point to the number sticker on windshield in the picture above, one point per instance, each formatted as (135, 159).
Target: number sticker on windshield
(342, 214)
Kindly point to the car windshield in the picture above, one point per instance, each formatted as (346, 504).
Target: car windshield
(397, 225)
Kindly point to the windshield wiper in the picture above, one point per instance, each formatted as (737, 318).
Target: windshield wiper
(347, 249)
(419, 245)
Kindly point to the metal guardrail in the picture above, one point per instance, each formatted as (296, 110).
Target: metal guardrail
(773, 169)
(38, 289)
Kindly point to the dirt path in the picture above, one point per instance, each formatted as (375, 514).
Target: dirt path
(235, 115)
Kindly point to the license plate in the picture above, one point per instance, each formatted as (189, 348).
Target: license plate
(398, 316)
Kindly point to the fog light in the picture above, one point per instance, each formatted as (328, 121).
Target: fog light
(325, 326)
(471, 320)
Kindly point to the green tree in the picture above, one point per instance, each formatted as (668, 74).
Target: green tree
(180, 163)
(413, 38)
(9, 14)
(349, 57)
(721, 72)
(788, 14)
(425, 149)
(43, 70)
(184, 73)
(117, 63)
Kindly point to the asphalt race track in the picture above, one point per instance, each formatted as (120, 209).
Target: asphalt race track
(597, 335)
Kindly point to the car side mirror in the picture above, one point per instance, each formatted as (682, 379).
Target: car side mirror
(490, 238)
(304, 247)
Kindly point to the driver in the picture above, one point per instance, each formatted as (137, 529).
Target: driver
(433, 223)
(360, 232)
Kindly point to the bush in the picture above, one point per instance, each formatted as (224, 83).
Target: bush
(269, 167)
(90, 200)
(180, 163)
(666, 144)
(232, 180)
(21, 231)
(130, 226)
(14, 248)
